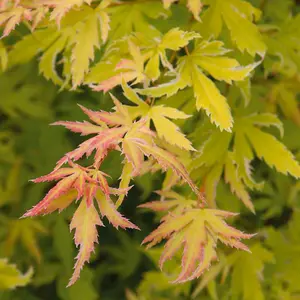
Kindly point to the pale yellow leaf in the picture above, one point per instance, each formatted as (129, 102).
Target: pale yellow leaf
(209, 98)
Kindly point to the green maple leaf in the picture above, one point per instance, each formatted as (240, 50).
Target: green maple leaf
(206, 57)
(248, 140)
(238, 16)
(11, 277)
(247, 272)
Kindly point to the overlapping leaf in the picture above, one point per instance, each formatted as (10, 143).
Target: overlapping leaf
(239, 17)
(197, 230)
(247, 136)
(76, 40)
(195, 6)
(113, 131)
(11, 277)
(207, 56)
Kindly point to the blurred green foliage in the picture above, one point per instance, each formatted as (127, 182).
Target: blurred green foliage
(121, 268)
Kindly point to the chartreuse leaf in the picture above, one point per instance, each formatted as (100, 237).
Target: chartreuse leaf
(247, 272)
(280, 157)
(284, 94)
(77, 40)
(210, 276)
(160, 116)
(24, 232)
(207, 56)
(63, 243)
(10, 190)
(247, 136)
(11, 277)
(139, 14)
(12, 15)
(125, 180)
(24, 93)
(87, 39)
(236, 183)
(174, 39)
(209, 98)
(246, 277)
(283, 47)
(3, 57)
(238, 16)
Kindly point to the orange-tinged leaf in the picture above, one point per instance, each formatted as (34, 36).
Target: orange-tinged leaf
(108, 209)
(193, 253)
(197, 230)
(55, 175)
(93, 115)
(168, 160)
(106, 139)
(103, 183)
(209, 254)
(169, 225)
(114, 81)
(160, 205)
(84, 222)
(220, 227)
(59, 189)
(85, 128)
(61, 202)
(133, 155)
(171, 247)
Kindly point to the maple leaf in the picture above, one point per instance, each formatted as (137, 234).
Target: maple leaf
(209, 57)
(126, 69)
(86, 39)
(260, 141)
(24, 232)
(140, 52)
(195, 6)
(160, 116)
(84, 222)
(11, 277)
(140, 13)
(247, 272)
(106, 139)
(78, 182)
(136, 139)
(112, 130)
(197, 230)
(170, 202)
(284, 94)
(60, 8)
(238, 16)
(13, 17)
(79, 35)
(155, 50)
(247, 139)
(70, 179)
(3, 57)
(283, 47)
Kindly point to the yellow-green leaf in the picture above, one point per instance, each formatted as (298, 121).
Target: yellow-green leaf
(209, 98)
(11, 277)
